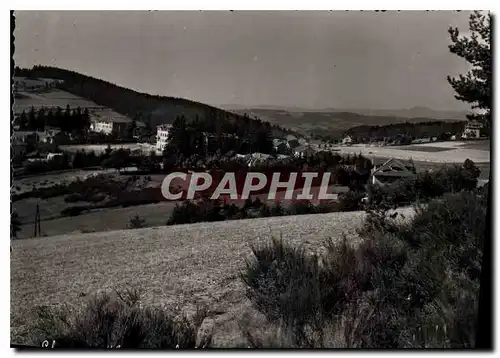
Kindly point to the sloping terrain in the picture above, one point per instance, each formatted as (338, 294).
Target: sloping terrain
(32, 93)
(334, 122)
(179, 266)
(414, 112)
(52, 86)
(127, 102)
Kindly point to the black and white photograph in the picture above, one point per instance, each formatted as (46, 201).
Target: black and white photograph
(251, 179)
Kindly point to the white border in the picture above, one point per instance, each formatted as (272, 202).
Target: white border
(197, 5)
(256, 5)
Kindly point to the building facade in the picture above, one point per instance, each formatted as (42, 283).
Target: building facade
(472, 130)
(109, 126)
(162, 132)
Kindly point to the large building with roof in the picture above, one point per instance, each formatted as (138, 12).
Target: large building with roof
(162, 132)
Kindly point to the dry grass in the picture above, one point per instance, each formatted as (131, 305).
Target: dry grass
(96, 221)
(453, 155)
(182, 266)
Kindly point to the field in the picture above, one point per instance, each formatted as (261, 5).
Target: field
(453, 152)
(54, 98)
(51, 98)
(21, 185)
(96, 221)
(181, 265)
(100, 148)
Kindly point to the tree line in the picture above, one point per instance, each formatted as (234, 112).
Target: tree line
(404, 133)
(68, 120)
(204, 138)
(151, 109)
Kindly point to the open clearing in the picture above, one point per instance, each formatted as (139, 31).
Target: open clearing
(179, 266)
(49, 179)
(424, 149)
(98, 220)
(51, 99)
(100, 148)
(456, 153)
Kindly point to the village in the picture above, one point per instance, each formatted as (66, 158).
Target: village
(251, 179)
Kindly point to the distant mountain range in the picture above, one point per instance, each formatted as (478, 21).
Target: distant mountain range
(414, 112)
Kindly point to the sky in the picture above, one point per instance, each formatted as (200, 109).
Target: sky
(314, 59)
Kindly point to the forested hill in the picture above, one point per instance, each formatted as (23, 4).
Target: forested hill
(141, 106)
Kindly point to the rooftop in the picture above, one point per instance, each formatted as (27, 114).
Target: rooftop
(163, 127)
(111, 119)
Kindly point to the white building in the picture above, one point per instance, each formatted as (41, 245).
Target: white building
(472, 130)
(110, 125)
(347, 140)
(162, 132)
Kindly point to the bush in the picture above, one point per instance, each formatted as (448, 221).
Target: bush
(108, 321)
(74, 210)
(187, 212)
(407, 284)
(73, 198)
(15, 224)
(301, 207)
(427, 185)
(136, 222)
(350, 201)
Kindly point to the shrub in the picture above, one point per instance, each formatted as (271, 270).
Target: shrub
(427, 185)
(115, 322)
(15, 224)
(96, 198)
(136, 222)
(184, 213)
(301, 207)
(406, 284)
(73, 198)
(350, 201)
(74, 210)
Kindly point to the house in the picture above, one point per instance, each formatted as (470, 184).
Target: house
(254, 158)
(110, 125)
(29, 137)
(281, 146)
(303, 151)
(257, 158)
(347, 140)
(292, 141)
(51, 156)
(52, 135)
(162, 132)
(472, 130)
(303, 141)
(390, 171)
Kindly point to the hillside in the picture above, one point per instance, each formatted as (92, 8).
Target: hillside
(414, 112)
(132, 104)
(181, 265)
(335, 122)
